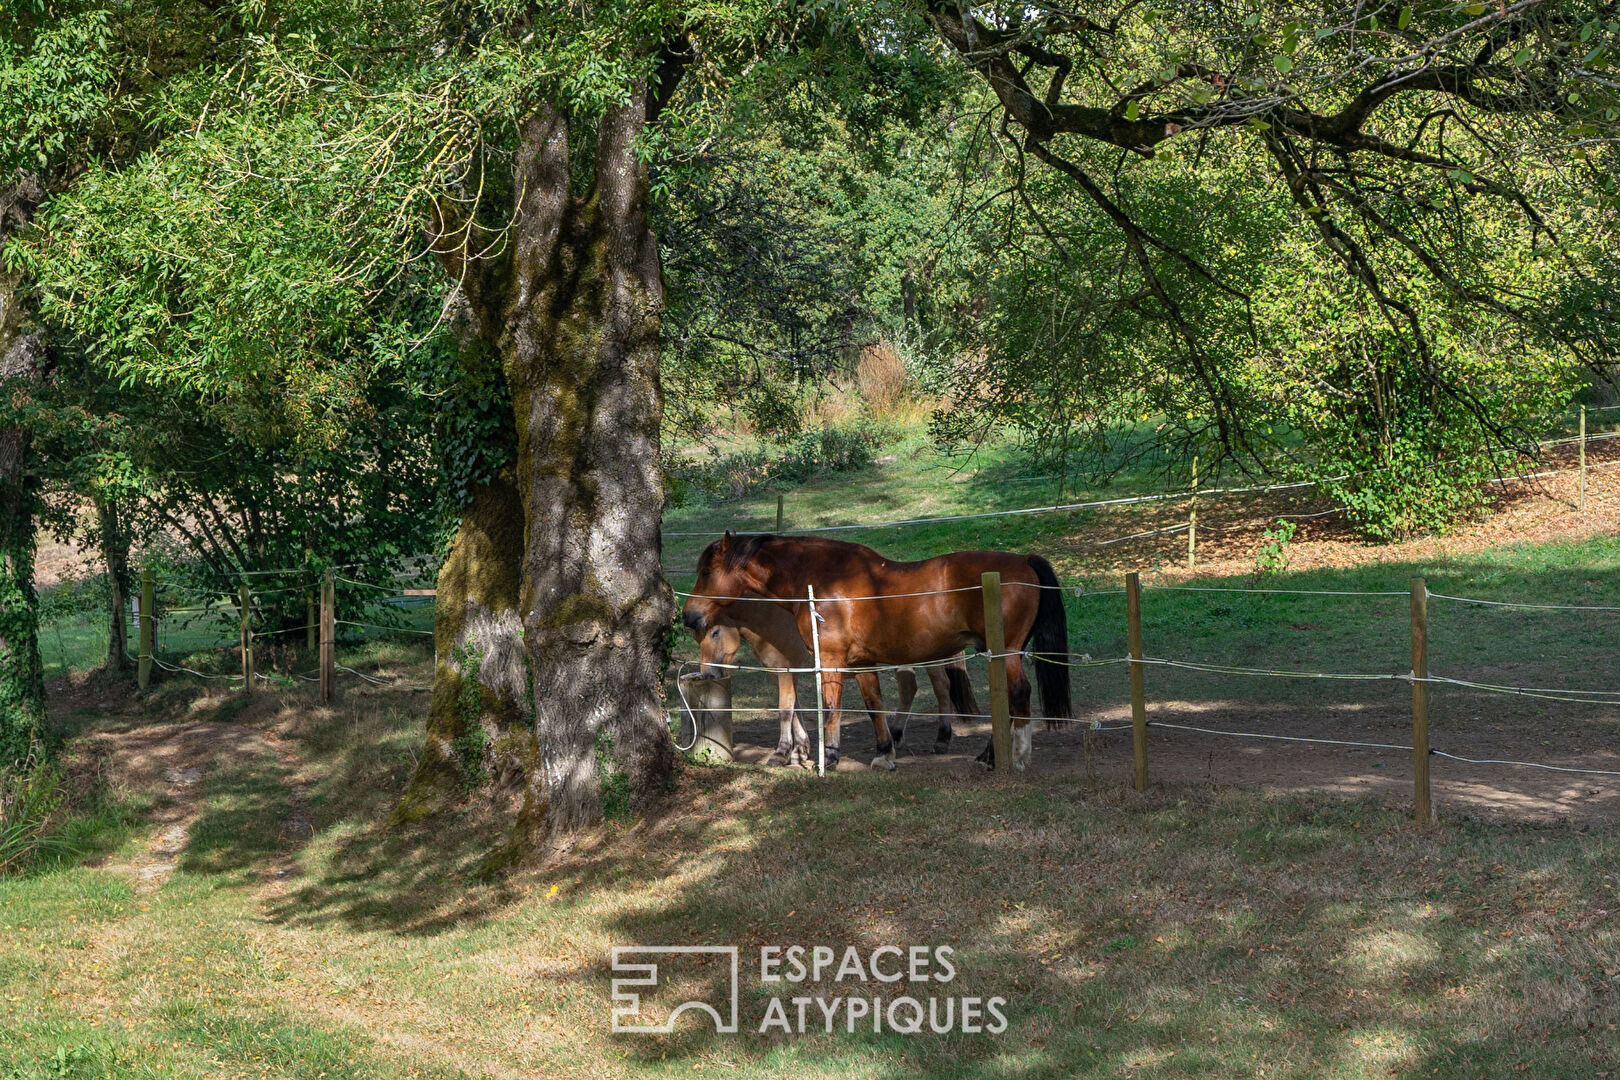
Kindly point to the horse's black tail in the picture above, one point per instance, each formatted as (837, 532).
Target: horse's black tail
(1048, 644)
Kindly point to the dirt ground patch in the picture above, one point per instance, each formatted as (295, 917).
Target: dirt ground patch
(1530, 509)
(1486, 792)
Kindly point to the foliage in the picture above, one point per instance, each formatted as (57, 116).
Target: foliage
(30, 796)
(21, 671)
(1279, 239)
(613, 782)
(56, 78)
(471, 745)
(832, 449)
(1272, 557)
(77, 595)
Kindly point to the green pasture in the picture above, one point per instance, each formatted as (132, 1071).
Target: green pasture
(1189, 932)
(1196, 930)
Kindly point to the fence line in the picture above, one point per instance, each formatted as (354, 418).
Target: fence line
(1279, 738)
(1080, 591)
(379, 626)
(1526, 764)
(1130, 500)
(1579, 697)
(1385, 746)
(1219, 669)
(1537, 607)
(1287, 592)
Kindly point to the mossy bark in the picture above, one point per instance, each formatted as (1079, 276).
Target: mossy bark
(476, 613)
(22, 684)
(571, 304)
(581, 357)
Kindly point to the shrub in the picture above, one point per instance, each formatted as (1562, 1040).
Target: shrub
(1408, 488)
(1273, 556)
(827, 449)
(30, 795)
(880, 376)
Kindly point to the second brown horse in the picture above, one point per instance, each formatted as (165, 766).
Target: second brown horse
(877, 611)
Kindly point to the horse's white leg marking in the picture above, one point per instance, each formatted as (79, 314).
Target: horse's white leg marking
(1023, 741)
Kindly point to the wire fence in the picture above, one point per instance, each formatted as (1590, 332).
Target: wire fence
(210, 626)
(208, 603)
(689, 717)
(1419, 678)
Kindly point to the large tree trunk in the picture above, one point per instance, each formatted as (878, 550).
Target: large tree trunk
(22, 684)
(480, 723)
(579, 345)
(114, 541)
(571, 303)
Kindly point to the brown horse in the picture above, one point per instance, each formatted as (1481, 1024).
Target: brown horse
(876, 611)
(774, 637)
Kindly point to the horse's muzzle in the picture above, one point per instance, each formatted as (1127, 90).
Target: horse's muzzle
(692, 619)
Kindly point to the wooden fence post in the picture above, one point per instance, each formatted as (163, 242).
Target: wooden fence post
(1583, 457)
(1133, 617)
(311, 635)
(247, 639)
(1424, 812)
(146, 630)
(995, 643)
(779, 513)
(709, 703)
(328, 633)
(1192, 519)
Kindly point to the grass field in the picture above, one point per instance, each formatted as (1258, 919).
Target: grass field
(1193, 931)
(239, 911)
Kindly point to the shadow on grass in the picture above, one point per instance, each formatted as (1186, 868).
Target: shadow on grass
(1189, 932)
(1192, 931)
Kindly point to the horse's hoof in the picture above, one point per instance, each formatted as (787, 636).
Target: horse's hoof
(832, 759)
(942, 747)
(779, 759)
(884, 761)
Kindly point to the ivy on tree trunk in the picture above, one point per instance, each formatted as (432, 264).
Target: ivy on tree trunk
(22, 684)
(480, 721)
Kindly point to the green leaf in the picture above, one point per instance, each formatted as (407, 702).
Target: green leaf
(1132, 110)
(1522, 57)
(1404, 19)
(1283, 62)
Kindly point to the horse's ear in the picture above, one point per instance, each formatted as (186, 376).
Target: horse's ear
(723, 543)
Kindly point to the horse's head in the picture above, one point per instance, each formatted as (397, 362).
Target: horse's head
(727, 569)
(717, 647)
